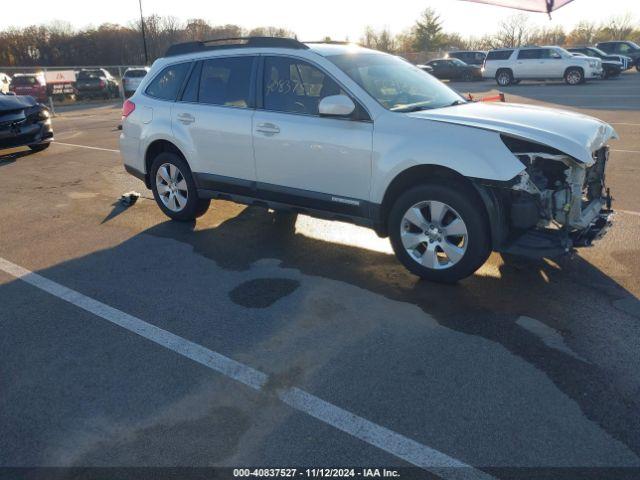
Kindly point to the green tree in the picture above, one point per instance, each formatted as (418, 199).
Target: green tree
(427, 33)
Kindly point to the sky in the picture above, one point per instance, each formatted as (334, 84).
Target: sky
(310, 19)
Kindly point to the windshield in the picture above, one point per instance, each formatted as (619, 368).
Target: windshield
(395, 83)
(86, 74)
(597, 51)
(458, 62)
(135, 73)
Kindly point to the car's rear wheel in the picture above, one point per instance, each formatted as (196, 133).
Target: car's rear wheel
(439, 233)
(174, 189)
(504, 77)
(574, 76)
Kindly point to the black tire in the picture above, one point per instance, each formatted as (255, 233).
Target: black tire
(39, 147)
(468, 206)
(504, 77)
(195, 207)
(574, 76)
(638, 65)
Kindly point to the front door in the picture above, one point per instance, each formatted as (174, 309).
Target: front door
(302, 157)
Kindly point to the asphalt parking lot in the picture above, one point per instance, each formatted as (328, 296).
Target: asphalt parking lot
(251, 339)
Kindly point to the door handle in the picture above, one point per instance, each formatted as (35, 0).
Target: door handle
(268, 128)
(186, 118)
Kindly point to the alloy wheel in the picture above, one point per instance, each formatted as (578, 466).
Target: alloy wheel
(172, 187)
(434, 234)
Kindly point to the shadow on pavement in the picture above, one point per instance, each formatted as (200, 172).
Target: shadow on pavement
(487, 306)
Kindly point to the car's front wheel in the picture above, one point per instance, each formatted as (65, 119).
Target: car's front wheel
(574, 76)
(440, 233)
(174, 188)
(38, 147)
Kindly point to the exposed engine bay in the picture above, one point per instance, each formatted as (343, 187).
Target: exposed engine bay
(559, 194)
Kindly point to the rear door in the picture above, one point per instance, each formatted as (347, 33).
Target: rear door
(528, 64)
(214, 119)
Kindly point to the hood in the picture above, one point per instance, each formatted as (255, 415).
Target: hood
(10, 103)
(572, 133)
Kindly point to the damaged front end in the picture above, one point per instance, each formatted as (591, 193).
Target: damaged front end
(556, 203)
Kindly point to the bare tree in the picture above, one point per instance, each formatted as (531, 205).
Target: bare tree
(514, 32)
(584, 33)
(381, 40)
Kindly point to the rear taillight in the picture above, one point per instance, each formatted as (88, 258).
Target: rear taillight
(102, 84)
(127, 108)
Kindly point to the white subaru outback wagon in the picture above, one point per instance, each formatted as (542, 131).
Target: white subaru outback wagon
(346, 133)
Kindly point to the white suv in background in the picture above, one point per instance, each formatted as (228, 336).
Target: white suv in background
(132, 78)
(510, 65)
(351, 134)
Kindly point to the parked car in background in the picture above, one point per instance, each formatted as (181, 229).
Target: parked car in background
(629, 49)
(132, 78)
(352, 134)
(96, 83)
(454, 69)
(32, 84)
(610, 68)
(5, 81)
(626, 62)
(24, 122)
(470, 57)
(510, 65)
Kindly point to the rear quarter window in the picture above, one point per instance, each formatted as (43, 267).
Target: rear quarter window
(499, 55)
(167, 83)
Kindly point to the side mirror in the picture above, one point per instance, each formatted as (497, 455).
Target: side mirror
(336, 106)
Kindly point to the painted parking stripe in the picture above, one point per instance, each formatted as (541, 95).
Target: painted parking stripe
(87, 146)
(625, 151)
(391, 442)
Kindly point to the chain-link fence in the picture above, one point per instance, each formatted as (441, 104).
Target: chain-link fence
(63, 85)
(73, 84)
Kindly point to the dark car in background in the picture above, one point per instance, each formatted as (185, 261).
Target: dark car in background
(624, 61)
(96, 83)
(454, 69)
(470, 57)
(629, 49)
(24, 122)
(610, 68)
(32, 84)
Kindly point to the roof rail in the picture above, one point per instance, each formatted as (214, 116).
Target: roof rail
(235, 42)
(332, 42)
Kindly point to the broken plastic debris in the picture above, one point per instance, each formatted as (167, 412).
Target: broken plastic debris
(129, 198)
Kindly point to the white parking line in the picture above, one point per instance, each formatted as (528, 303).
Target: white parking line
(625, 151)
(629, 212)
(391, 442)
(86, 146)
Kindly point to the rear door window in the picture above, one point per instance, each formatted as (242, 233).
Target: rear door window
(530, 54)
(168, 82)
(226, 81)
